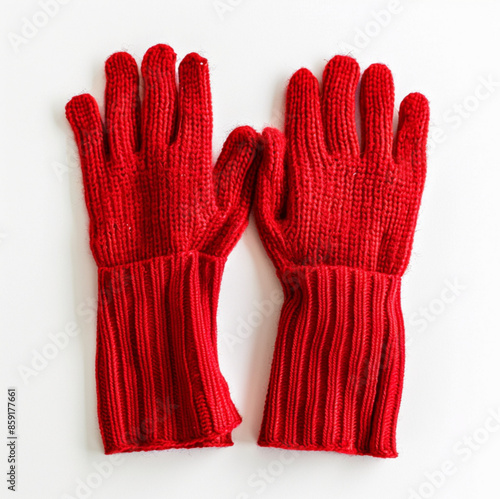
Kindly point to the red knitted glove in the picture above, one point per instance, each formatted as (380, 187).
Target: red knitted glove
(162, 223)
(338, 225)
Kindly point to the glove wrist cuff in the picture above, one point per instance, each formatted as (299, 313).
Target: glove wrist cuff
(158, 380)
(338, 364)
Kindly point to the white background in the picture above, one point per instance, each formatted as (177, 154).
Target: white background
(444, 49)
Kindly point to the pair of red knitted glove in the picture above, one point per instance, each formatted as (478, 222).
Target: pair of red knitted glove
(337, 223)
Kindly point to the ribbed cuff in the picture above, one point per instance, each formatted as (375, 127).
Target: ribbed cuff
(158, 380)
(338, 364)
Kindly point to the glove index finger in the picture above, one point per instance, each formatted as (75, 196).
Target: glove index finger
(195, 106)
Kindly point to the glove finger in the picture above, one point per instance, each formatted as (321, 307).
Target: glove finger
(122, 106)
(195, 107)
(340, 80)
(271, 191)
(411, 138)
(377, 110)
(160, 97)
(306, 154)
(83, 115)
(234, 172)
(303, 122)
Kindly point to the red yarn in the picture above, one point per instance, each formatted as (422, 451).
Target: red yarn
(162, 223)
(338, 224)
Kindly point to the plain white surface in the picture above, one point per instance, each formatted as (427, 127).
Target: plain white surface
(447, 50)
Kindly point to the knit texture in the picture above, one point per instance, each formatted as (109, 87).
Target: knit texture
(162, 223)
(338, 223)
